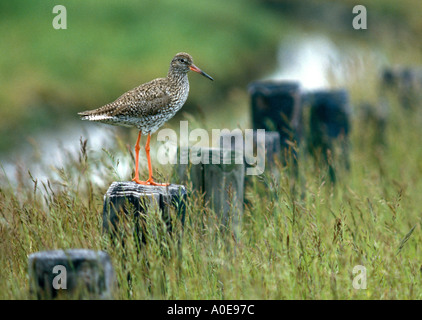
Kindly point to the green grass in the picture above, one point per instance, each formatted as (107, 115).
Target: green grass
(295, 243)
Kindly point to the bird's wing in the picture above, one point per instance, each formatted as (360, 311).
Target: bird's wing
(145, 100)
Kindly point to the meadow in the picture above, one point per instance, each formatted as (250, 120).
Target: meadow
(300, 237)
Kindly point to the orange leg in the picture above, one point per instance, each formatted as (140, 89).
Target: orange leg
(150, 180)
(137, 148)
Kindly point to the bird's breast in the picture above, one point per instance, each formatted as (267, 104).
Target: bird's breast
(181, 95)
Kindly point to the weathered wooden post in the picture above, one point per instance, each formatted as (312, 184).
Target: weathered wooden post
(219, 174)
(129, 199)
(329, 126)
(271, 146)
(267, 148)
(71, 274)
(276, 106)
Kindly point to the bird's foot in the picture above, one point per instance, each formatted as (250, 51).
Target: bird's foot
(153, 183)
(150, 182)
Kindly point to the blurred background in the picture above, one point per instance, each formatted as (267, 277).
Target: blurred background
(110, 47)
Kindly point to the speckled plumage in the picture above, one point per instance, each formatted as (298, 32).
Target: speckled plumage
(148, 106)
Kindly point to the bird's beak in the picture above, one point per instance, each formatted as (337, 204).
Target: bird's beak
(196, 69)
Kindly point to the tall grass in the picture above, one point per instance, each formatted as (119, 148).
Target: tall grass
(300, 239)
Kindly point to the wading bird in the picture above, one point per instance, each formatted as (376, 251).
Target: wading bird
(149, 106)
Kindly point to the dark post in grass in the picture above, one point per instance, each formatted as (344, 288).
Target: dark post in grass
(129, 198)
(404, 83)
(276, 106)
(71, 274)
(374, 117)
(219, 174)
(329, 127)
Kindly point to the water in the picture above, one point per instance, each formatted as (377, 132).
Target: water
(317, 62)
(307, 61)
(52, 149)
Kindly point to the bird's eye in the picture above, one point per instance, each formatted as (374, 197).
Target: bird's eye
(182, 60)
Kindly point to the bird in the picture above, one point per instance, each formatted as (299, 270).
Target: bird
(148, 106)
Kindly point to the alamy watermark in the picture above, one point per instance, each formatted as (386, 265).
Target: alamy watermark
(236, 147)
(60, 281)
(359, 281)
(361, 18)
(60, 20)
(359, 21)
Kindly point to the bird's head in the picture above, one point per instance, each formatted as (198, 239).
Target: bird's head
(183, 62)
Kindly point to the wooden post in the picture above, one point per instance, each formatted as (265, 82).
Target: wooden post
(404, 83)
(219, 174)
(268, 148)
(374, 117)
(276, 106)
(272, 147)
(329, 126)
(121, 196)
(71, 274)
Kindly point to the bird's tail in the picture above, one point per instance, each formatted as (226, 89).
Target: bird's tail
(93, 115)
(85, 115)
